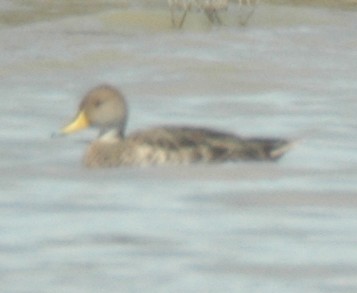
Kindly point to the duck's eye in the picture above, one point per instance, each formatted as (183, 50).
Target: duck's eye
(98, 103)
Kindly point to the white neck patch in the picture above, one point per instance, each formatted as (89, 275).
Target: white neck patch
(111, 135)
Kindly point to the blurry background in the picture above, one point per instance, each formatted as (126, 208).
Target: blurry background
(251, 227)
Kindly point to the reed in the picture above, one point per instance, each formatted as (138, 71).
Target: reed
(211, 8)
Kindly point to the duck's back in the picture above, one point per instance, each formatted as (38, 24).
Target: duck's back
(179, 146)
(184, 145)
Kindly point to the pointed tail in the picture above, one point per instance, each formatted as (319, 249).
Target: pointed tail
(271, 149)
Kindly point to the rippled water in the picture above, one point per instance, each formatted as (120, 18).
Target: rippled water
(251, 227)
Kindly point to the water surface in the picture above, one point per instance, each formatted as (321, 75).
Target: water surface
(250, 227)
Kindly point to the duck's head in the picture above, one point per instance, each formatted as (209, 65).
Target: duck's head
(104, 107)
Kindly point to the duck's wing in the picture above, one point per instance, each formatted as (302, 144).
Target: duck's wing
(186, 145)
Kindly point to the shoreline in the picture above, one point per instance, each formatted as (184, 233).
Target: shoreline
(341, 4)
(52, 9)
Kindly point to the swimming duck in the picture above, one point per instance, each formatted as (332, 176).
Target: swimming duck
(105, 107)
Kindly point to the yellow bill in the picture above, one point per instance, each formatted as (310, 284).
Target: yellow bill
(79, 123)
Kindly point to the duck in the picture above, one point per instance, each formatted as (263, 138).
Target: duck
(105, 108)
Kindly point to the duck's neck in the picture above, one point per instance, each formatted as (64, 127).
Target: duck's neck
(110, 135)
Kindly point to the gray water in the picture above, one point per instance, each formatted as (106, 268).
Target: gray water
(248, 227)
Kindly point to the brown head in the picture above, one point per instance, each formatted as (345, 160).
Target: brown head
(104, 107)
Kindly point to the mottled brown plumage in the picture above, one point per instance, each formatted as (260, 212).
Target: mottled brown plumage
(105, 107)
